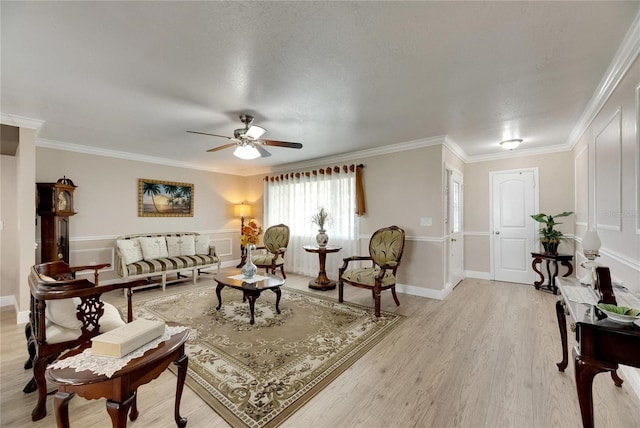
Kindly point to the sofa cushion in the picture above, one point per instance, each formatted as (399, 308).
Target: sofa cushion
(169, 264)
(202, 244)
(63, 312)
(130, 249)
(154, 247)
(57, 333)
(181, 246)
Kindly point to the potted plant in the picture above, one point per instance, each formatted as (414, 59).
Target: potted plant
(320, 219)
(549, 236)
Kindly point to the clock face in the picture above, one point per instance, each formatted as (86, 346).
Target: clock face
(64, 201)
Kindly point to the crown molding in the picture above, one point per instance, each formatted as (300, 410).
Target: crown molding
(623, 59)
(78, 148)
(358, 155)
(21, 121)
(455, 148)
(519, 153)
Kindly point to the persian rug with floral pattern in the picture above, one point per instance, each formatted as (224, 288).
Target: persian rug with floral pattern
(258, 375)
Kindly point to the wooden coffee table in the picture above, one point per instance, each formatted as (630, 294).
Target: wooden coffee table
(120, 389)
(250, 290)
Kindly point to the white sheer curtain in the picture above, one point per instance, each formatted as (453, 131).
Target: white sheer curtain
(293, 198)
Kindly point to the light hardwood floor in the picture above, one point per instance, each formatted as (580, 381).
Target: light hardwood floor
(484, 357)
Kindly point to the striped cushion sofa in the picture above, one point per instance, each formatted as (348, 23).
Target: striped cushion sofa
(149, 255)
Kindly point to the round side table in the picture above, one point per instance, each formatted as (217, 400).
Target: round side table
(322, 282)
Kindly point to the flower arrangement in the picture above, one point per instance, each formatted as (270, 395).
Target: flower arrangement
(320, 218)
(251, 233)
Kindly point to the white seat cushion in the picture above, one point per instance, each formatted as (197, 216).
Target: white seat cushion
(181, 246)
(202, 244)
(108, 321)
(130, 250)
(154, 247)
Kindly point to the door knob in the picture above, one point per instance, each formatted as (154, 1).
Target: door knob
(453, 239)
(497, 232)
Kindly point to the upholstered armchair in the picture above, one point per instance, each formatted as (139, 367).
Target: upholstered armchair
(65, 313)
(276, 241)
(385, 251)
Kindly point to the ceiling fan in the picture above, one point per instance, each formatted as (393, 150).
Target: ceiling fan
(247, 140)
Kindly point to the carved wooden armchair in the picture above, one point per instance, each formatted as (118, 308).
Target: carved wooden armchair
(276, 241)
(65, 313)
(385, 252)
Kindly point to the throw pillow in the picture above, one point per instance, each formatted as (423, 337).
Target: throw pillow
(181, 246)
(154, 248)
(202, 244)
(63, 312)
(130, 250)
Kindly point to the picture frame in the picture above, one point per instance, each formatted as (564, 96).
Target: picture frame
(159, 198)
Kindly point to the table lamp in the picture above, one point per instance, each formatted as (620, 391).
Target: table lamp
(591, 250)
(242, 210)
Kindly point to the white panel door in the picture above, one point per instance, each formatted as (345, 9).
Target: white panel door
(454, 223)
(513, 231)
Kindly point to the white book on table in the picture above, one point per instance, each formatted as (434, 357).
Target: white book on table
(127, 338)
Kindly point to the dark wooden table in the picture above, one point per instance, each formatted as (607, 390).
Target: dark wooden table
(250, 290)
(564, 259)
(322, 282)
(602, 346)
(120, 390)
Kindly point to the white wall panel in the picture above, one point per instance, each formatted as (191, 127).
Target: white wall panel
(608, 202)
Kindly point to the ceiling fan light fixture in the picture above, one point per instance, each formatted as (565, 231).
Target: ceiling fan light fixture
(246, 151)
(255, 132)
(511, 144)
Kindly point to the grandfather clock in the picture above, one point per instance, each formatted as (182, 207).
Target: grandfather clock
(55, 206)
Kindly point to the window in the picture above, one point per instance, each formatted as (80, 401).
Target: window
(293, 199)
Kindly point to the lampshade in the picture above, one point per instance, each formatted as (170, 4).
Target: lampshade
(243, 210)
(510, 144)
(591, 244)
(246, 152)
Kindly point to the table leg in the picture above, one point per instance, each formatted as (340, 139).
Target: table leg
(322, 282)
(569, 267)
(552, 280)
(133, 414)
(562, 325)
(278, 294)
(118, 411)
(182, 362)
(219, 294)
(534, 265)
(252, 305)
(61, 408)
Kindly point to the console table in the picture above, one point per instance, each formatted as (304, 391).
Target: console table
(322, 282)
(120, 390)
(602, 344)
(564, 259)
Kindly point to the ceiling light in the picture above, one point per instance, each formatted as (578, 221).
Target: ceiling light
(510, 144)
(246, 152)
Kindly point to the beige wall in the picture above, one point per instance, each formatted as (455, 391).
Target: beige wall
(611, 149)
(9, 283)
(106, 202)
(556, 181)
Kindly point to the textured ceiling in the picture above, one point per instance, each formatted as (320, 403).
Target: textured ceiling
(338, 77)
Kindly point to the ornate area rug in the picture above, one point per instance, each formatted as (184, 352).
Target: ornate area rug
(258, 375)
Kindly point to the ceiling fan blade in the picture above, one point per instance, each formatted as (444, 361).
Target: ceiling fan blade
(226, 146)
(255, 132)
(263, 152)
(211, 135)
(282, 144)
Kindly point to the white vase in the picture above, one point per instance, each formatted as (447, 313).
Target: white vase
(249, 269)
(322, 238)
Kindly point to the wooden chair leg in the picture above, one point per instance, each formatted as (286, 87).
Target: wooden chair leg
(340, 290)
(282, 270)
(395, 297)
(39, 367)
(376, 298)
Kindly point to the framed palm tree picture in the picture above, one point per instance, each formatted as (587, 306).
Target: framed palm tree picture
(164, 198)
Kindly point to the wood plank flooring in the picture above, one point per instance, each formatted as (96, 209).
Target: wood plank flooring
(484, 357)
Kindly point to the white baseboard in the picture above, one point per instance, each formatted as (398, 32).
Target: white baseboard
(424, 292)
(8, 301)
(477, 275)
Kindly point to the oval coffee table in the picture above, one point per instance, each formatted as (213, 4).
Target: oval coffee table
(250, 290)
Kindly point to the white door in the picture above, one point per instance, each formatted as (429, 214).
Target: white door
(514, 198)
(454, 224)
